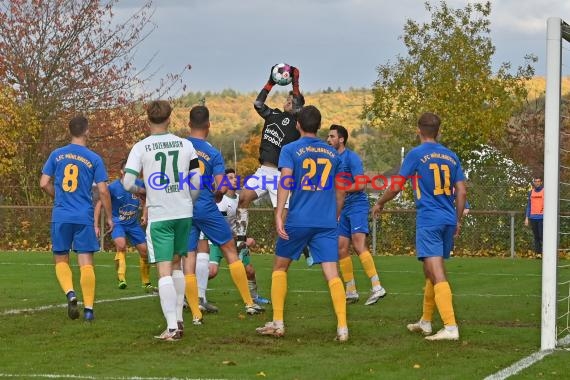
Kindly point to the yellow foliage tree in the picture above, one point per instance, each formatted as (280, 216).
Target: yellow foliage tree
(249, 163)
(18, 144)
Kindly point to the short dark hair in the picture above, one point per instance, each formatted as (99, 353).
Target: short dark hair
(199, 116)
(300, 97)
(158, 111)
(230, 171)
(78, 126)
(429, 123)
(341, 131)
(309, 119)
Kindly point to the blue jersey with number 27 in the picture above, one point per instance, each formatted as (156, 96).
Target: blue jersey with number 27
(315, 166)
(74, 169)
(437, 169)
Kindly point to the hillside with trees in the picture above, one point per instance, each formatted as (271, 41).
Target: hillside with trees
(234, 120)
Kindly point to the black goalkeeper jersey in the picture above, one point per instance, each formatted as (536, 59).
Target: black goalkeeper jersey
(278, 130)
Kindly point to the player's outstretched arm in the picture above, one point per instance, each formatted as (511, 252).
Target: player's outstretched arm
(386, 197)
(129, 184)
(262, 109)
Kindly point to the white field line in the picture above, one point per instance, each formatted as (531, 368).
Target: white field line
(316, 268)
(48, 307)
(58, 376)
(519, 366)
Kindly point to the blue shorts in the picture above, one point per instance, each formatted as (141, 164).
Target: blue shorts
(79, 237)
(133, 232)
(353, 221)
(434, 241)
(322, 242)
(213, 225)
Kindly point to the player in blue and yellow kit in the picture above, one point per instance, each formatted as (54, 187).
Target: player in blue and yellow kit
(74, 168)
(208, 219)
(353, 223)
(308, 170)
(437, 179)
(126, 211)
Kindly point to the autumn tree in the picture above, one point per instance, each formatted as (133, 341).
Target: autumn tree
(76, 56)
(19, 127)
(71, 54)
(250, 161)
(447, 70)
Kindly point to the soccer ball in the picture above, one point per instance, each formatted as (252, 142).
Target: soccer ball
(282, 74)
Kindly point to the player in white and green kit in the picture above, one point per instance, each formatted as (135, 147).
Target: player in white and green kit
(170, 168)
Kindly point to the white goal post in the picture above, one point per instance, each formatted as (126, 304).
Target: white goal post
(557, 30)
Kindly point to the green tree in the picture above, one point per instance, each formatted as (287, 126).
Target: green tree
(447, 70)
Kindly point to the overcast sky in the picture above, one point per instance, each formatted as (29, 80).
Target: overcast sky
(336, 43)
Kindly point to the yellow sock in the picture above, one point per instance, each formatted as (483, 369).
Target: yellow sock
(369, 267)
(278, 293)
(64, 276)
(429, 301)
(120, 258)
(192, 295)
(443, 300)
(237, 271)
(347, 273)
(144, 269)
(88, 285)
(339, 302)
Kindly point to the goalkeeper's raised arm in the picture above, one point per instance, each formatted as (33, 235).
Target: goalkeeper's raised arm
(262, 109)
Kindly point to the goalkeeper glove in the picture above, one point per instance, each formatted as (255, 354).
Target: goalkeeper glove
(270, 82)
(295, 73)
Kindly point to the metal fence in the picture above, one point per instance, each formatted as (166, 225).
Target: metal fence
(484, 232)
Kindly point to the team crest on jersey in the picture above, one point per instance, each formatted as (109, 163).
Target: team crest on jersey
(285, 121)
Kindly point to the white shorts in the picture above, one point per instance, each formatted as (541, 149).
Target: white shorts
(265, 181)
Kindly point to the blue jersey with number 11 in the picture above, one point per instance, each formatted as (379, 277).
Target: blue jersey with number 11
(74, 169)
(437, 169)
(313, 197)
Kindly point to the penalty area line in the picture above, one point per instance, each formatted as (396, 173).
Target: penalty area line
(519, 366)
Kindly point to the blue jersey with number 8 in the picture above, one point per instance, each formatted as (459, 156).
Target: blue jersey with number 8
(74, 170)
(437, 169)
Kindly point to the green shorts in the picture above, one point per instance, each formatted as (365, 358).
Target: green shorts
(167, 238)
(216, 255)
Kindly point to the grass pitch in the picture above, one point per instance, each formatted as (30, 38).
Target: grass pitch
(497, 304)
